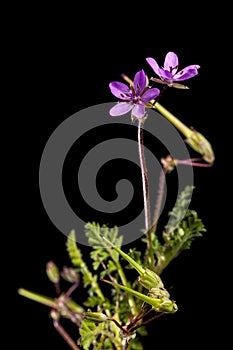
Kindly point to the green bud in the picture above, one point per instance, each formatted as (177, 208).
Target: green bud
(158, 293)
(193, 138)
(158, 296)
(95, 316)
(160, 303)
(168, 306)
(201, 145)
(52, 272)
(149, 279)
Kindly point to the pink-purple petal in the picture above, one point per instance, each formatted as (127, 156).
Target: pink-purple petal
(154, 65)
(139, 82)
(150, 95)
(120, 90)
(171, 62)
(165, 74)
(139, 111)
(120, 109)
(186, 73)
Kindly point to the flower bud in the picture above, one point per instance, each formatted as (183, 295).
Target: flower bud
(52, 272)
(158, 293)
(168, 306)
(95, 316)
(70, 275)
(201, 145)
(149, 279)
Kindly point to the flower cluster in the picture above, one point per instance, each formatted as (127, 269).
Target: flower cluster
(139, 95)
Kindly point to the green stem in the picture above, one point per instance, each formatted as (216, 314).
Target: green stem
(193, 138)
(124, 281)
(47, 301)
(95, 285)
(38, 298)
(121, 274)
(131, 261)
(175, 121)
(156, 302)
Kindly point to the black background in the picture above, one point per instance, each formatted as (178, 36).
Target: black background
(58, 70)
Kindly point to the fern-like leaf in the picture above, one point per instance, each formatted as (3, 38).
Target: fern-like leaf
(180, 208)
(73, 251)
(101, 253)
(88, 332)
(186, 231)
(183, 227)
(76, 258)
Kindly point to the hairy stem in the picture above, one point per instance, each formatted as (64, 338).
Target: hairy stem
(145, 183)
(146, 200)
(71, 289)
(159, 200)
(65, 335)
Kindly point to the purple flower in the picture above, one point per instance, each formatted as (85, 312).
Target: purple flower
(168, 74)
(134, 97)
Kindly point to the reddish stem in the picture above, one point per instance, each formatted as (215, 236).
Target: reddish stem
(65, 335)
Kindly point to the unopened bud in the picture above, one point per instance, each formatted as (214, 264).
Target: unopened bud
(201, 145)
(52, 272)
(158, 293)
(168, 306)
(149, 279)
(95, 316)
(70, 275)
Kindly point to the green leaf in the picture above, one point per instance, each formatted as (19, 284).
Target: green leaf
(96, 336)
(88, 331)
(135, 254)
(93, 301)
(186, 231)
(183, 227)
(178, 212)
(107, 345)
(94, 233)
(73, 251)
(111, 267)
(101, 253)
(76, 257)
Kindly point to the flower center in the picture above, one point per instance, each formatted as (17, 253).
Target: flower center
(136, 99)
